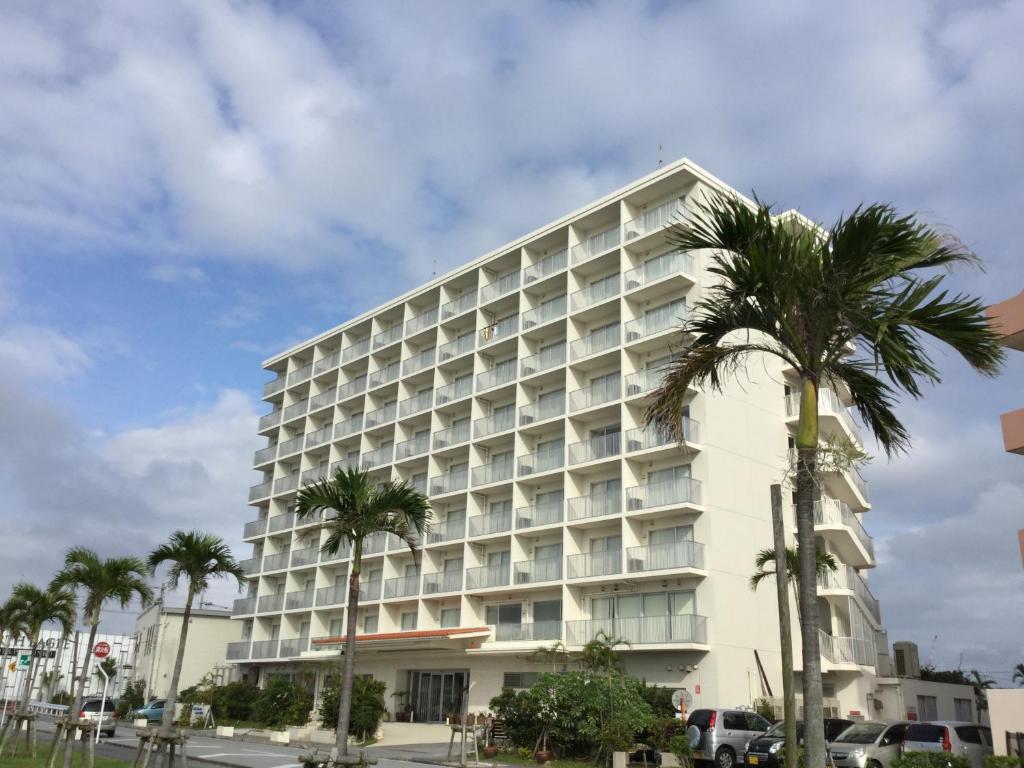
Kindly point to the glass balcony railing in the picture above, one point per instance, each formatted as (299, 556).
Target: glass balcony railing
(504, 284)
(455, 391)
(381, 415)
(546, 513)
(326, 363)
(549, 358)
(641, 630)
(255, 528)
(385, 375)
(300, 374)
(433, 583)
(534, 571)
(421, 321)
(498, 422)
(265, 455)
(328, 596)
(243, 605)
(541, 461)
(274, 386)
(642, 382)
(251, 566)
(307, 556)
(595, 504)
(238, 650)
(596, 244)
(654, 219)
(682, 490)
(414, 447)
(528, 632)
(458, 347)
(293, 647)
(592, 294)
(261, 490)
(463, 303)
(281, 522)
(596, 394)
(545, 313)
(503, 373)
(655, 269)
(656, 321)
(375, 543)
(489, 523)
(314, 474)
(295, 410)
(593, 564)
(595, 342)
(548, 408)
(355, 387)
(450, 530)
(487, 576)
(499, 331)
(319, 437)
(287, 483)
(596, 448)
(445, 438)
(276, 562)
(269, 420)
(449, 482)
(295, 601)
(324, 399)
(649, 437)
(378, 457)
(549, 265)
(356, 349)
(387, 336)
(493, 472)
(419, 361)
(270, 603)
(264, 649)
(417, 404)
(291, 446)
(658, 557)
(403, 586)
(370, 590)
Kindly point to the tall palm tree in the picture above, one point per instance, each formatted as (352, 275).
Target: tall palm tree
(1018, 674)
(360, 508)
(764, 563)
(35, 607)
(197, 557)
(121, 579)
(980, 683)
(846, 307)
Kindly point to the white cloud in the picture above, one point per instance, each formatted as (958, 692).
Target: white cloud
(167, 272)
(38, 352)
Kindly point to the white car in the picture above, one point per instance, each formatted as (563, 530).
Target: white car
(91, 711)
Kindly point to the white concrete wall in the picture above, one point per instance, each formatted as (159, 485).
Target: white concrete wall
(899, 698)
(1006, 712)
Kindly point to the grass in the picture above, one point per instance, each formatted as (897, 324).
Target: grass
(79, 760)
(514, 758)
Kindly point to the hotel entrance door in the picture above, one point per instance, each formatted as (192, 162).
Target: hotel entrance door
(436, 695)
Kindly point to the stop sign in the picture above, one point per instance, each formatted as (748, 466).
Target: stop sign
(101, 650)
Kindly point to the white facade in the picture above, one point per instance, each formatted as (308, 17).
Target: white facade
(158, 630)
(512, 391)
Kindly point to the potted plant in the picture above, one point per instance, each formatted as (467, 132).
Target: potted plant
(543, 755)
(403, 711)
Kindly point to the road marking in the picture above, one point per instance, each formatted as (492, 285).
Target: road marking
(243, 754)
(288, 765)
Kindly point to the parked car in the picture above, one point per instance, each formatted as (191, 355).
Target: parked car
(153, 712)
(763, 750)
(971, 740)
(721, 735)
(872, 744)
(91, 711)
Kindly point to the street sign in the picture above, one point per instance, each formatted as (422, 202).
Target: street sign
(101, 650)
(24, 661)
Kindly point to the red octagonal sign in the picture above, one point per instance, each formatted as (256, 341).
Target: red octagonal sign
(101, 650)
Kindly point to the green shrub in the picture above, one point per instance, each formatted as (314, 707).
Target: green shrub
(659, 699)
(62, 697)
(134, 694)
(367, 706)
(282, 703)
(679, 745)
(519, 713)
(234, 701)
(1002, 761)
(661, 731)
(915, 759)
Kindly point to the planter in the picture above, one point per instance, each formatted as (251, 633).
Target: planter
(280, 737)
(490, 751)
(227, 731)
(542, 756)
(403, 717)
(141, 722)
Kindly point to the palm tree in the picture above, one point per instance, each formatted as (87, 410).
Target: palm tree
(117, 578)
(599, 655)
(109, 667)
(555, 654)
(980, 683)
(360, 508)
(197, 557)
(34, 607)
(1018, 674)
(11, 629)
(764, 562)
(846, 307)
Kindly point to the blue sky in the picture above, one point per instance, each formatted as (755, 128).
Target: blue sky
(188, 188)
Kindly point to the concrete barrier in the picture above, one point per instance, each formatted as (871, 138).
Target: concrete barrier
(280, 737)
(140, 722)
(226, 731)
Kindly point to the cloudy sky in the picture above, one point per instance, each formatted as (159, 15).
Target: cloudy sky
(187, 188)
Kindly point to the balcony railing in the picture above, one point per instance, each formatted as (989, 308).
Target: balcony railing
(261, 490)
(276, 561)
(421, 321)
(847, 650)
(370, 590)
(656, 557)
(295, 410)
(349, 462)
(455, 391)
(324, 399)
(828, 511)
(274, 386)
(251, 566)
(418, 362)
(237, 650)
(650, 437)
(528, 632)
(446, 438)
(548, 408)
(457, 347)
(403, 586)
(326, 363)
(595, 394)
(545, 513)
(549, 358)
(295, 601)
(491, 522)
(264, 649)
(255, 528)
(847, 578)
(682, 490)
(314, 474)
(643, 382)
(356, 349)
(280, 522)
(382, 415)
(487, 576)
(503, 373)
(243, 605)
(450, 581)
(263, 455)
(293, 647)
(375, 543)
(385, 375)
(319, 437)
(355, 387)
(269, 420)
(463, 303)
(598, 341)
(599, 291)
(594, 505)
(667, 264)
(545, 312)
(503, 329)
(553, 262)
(335, 595)
(307, 556)
(378, 457)
(449, 482)
(542, 460)
(450, 530)
(601, 447)
(495, 423)
(387, 336)
(641, 630)
(533, 571)
(420, 402)
(414, 447)
(294, 445)
(828, 404)
(504, 284)
(656, 322)
(270, 603)
(594, 564)
(596, 244)
(494, 472)
(300, 374)
(654, 219)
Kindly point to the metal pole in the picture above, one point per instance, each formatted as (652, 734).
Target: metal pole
(103, 701)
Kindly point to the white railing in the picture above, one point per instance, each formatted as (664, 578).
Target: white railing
(463, 303)
(596, 341)
(542, 460)
(593, 564)
(847, 650)
(499, 422)
(594, 505)
(828, 404)
(504, 284)
(545, 312)
(460, 346)
(553, 262)
(682, 490)
(601, 447)
(671, 263)
(452, 436)
(493, 472)
(548, 408)
(595, 394)
(503, 373)
(596, 244)
(421, 321)
(657, 557)
(420, 402)
(847, 579)
(502, 329)
(549, 358)
(387, 336)
(546, 513)
(490, 522)
(829, 511)
(451, 481)
(641, 630)
(487, 576)
(356, 349)
(654, 219)
(599, 291)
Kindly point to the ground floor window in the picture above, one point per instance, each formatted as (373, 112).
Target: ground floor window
(927, 708)
(964, 710)
(435, 696)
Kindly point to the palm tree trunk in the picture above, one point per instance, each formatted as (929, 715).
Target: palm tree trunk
(785, 627)
(348, 669)
(172, 693)
(33, 668)
(76, 704)
(806, 480)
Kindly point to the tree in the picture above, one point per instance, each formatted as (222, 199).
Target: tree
(1018, 674)
(360, 508)
(764, 563)
(196, 557)
(599, 655)
(847, 307)
(121, 579)
(980, 683)
(109, 666)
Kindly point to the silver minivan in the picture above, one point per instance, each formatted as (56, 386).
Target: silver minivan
(721, 735)
(871, 744)
(971, 740)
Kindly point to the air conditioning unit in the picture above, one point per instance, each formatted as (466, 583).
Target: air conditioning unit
(634, 564)
(529, 323)
(632, 336)
(633, 389)
(630, 284)
(634, 445)
(528, 369)
(634, 504)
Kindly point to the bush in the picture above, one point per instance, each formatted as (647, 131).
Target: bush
(234, 701)
(282, 703)
(367, 707)
(679, 745)
(659, 699)
(62, 697)
(1002, 761)
(519, 713)
(134, 694)
(662, 730)
(915, 759)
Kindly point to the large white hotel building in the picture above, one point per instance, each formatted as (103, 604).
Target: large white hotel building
(511, 392)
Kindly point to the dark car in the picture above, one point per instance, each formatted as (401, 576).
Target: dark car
(764, 750)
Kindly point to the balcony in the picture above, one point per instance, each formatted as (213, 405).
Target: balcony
(455, 391)
(594, 505)
(370, 590)
(319, 437)
(375, 543)
(596, 244)
(596, 448)
(829, 405)
(307, 556)
(680, 554)
(643, 382)
(417, 404)
(313, 475)
(274, 386)
(269, 420)
(498, 422)
(385, 375)
(264, 649)
(455, 307)
(654, 219)
(251, 566)
(329, 596)
(418, 362)
(490, 523)
(450, 530)
(293, 647)
(414, 447)
(446, 438)
(357, 349)
(503, 329)
(656, 322)
(382, 415)
(449, 482)
(671, 263)
(494, 472)
(592, 294)
(300, 374)
(255, 528)
(528, 632)
(324, 399)
(591, 564)
(349, 462)
(294, 445)
(548, 408)
(237, 650)
(378, 457)
(487, 576)
(535, 571)
(295, 410)
(421, 321)
(847, 650)
(545, 313)
(504, 284)
(682, 490)
(326, 363)
(503, 373)
(355, 387)
(650, 437)
(296, 601)
(243, 605)
(387, 336)
(264, 455)
(403, 586)
(596, 394)
(276, 562)
(435, 583)
(270, 603)
(281, 522)
(549, 265)
(541, 461)
(641, 630)
(832, 512)
(260, 491)
(549, 358)
(458, 347)
(848, 580)
(546, 513)
(596, 342)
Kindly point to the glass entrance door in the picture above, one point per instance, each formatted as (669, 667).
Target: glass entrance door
(436, 695)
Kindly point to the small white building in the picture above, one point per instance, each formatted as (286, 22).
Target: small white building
(158, 629)
(1006, 709)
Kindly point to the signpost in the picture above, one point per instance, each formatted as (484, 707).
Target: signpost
(101, 650)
